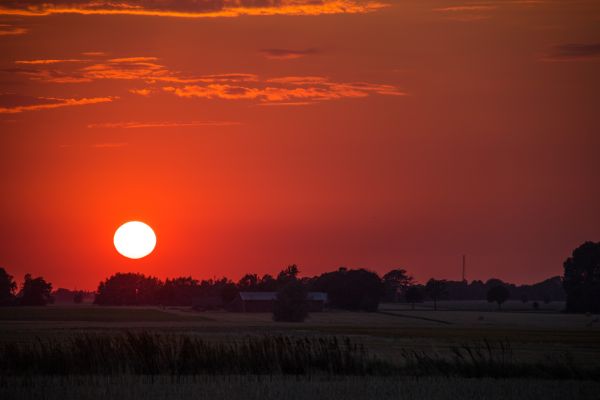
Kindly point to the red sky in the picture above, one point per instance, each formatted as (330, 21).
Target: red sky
(252, 135)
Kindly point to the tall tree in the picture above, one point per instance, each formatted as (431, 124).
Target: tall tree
(395, 284)
(7, 288)
(291, 304)
(248, 283)
(288, 274)
(354, 289)
(498, 294)
(413, 295)
(582, 279)
(178, 291)
(128, 289)
(35, 292)
(436, 290)
(267, 284)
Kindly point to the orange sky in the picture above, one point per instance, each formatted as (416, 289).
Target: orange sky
(255, 134)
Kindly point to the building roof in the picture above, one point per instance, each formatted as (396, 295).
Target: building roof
(271, 296)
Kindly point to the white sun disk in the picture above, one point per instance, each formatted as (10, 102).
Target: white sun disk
(134, 239)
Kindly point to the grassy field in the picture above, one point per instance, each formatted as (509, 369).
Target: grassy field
(481, 305)
(93, 314)
(540, 339)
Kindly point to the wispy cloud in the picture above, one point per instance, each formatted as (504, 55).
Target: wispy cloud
(93, 53)
(141, 92)
(47, 75)
(286, 90)
(466, 13)
(573, 52)
(142, 68)
(482, 10)
(14, 104)
(229, 86)
(11, 30)
(288, 104)
(472, 7)
(189, 8)
(47, 62)
(164, 124)
(286, 54)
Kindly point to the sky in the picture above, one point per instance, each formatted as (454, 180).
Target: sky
(253, 134)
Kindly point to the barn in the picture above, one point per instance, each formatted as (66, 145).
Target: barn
(263, 301)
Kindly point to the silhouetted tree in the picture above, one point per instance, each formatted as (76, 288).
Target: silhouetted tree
(267, 284)
(288, 274)
(414, 294)
(291, 304)
(7, 288)
(498, 294)
(78, 297)
(248, 283)
(226, 289)
(436, 290)
(395, 283)
(178, 291)
(35, 292)
(128, 289)
(355, 289)
(582, 279)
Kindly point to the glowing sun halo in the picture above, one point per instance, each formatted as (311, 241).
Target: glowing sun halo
(134, 239)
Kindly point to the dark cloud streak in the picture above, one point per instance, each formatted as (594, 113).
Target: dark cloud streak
(573, 52)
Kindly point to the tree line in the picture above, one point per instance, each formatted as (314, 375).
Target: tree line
(350, 289)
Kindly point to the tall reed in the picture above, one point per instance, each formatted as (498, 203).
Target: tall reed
(162, 354)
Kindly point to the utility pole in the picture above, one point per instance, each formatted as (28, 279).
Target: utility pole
(464, 268)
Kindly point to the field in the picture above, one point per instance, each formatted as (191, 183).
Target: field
(407, 353)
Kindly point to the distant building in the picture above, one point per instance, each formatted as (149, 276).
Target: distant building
(264, 301)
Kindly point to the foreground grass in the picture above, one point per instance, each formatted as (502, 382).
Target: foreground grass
(143, 353)
(289, 388)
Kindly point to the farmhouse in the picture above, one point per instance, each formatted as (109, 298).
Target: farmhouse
(263, 301)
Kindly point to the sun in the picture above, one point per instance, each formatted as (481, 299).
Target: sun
(134, 239)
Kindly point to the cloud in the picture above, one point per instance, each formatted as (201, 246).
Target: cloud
(141, 92)
(467, 13)
(481, 11)
(14, 104)
(285, 54)
(93, 53)
(286, 90)
(48, 75)
(573, 52)
(146, 69)
(228, 86)
(46, 62)
(11, 30)
(290, 104)
(133, 60)
(189, 8)
(139, 125)
(473, 7)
